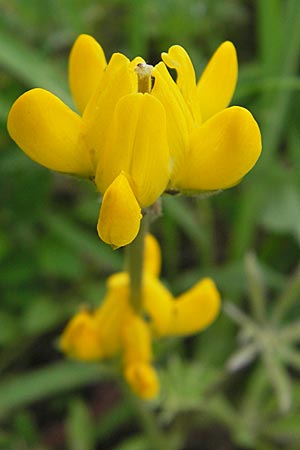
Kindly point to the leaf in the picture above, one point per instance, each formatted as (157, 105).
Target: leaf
(9, 328)
(280, 380)
(30, 66)
(285, 429)
(242, 357)
(80, 240)
(80, 434)
(56, 259)
(117, 416)
(42, 314)
(135, 443)
(29, 387)
(282, 212)
(189, 395)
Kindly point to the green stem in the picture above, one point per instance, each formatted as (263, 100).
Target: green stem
(134, 266)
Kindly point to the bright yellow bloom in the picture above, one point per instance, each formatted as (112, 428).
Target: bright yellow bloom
(121, 330)
(119, 138)
(128, 141)
(212, 146)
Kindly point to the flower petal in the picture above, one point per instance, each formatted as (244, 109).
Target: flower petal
(118, 80)
(137, 357)
(152, 256)
(81, 339)
(177, 58)
(120, 214)
(195, 309)
(179, 118)
(217, 83)
(222, 151)
(86, 66)
(143, 380)
(49, 132)
(137, 144)
(158, 304)
(136, 340)
(111, 314)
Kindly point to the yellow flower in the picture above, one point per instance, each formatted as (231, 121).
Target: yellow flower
(119, 138)
(212, 146)
(122, 330)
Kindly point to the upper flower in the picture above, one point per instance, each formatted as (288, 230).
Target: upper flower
(115, 328)
(119, 138)
(128, 136)
(212, 147)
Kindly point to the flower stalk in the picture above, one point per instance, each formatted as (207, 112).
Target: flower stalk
(134, 266)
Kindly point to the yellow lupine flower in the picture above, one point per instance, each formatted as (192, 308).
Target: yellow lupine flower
(121, 330)
(118, 139)
(212, 146)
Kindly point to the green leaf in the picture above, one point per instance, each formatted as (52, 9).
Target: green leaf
(76, 237)
(25, 428)
(58, 259)
(51, 380)
(80, 434)
(282, 212)
(256, 287)
(189, 395)
(113, 419)
(134, 443)
(279, 378)
(184, 216)
(9, 328)
(41, 315)
(286, 429)
(30, 66)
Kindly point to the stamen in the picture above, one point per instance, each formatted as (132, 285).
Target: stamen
(143, 72)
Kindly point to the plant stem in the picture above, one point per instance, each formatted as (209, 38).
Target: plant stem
(134, 266)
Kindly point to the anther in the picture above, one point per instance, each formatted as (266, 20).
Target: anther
(143, 72)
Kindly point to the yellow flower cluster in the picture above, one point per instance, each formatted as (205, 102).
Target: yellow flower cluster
(115, 328)
(137, 142)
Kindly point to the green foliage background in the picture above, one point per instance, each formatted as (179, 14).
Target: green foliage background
(235, 386)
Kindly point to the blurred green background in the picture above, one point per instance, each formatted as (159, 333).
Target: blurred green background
(235, 386)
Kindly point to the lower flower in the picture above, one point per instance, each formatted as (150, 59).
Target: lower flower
(114, 329)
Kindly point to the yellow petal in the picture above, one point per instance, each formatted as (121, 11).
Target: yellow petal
(222, 151)
(195, 309)
(136, 340)
(137, 356)
(217, 83)
(137, 144)
(179, 118)
(118, 80)
(158, 304)
(152, 256)
(110, 316)
(49, 132)
(86, 66)
(143, 380)
(120, 214)
(81, 338)
(177, 58)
